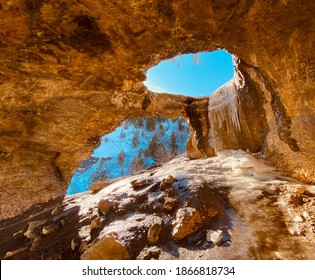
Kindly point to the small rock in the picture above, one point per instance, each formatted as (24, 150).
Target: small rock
(135, 184)
(279, 256)
(167, 182)
(10, 254)
(312, 203)
(214, 236)
(169, 203)
(48, 229)
(83, 246)
(294, 230)
(107, 248)
(105, 206)
(99, 186)
(298, 219)
(35, 243)
(295, 199)
(299, 190)
(187, 221)
(170, 179)
(154, 232)
(75, 242)
(96, 223)
(171, 192)
(306, 215)
(212, 212)
(57, 210)
(149, 253)
(31, 227)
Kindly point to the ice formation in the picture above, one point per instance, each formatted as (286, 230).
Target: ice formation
(224, 109)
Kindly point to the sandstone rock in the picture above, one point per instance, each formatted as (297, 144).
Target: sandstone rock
(99, 186)
(49, 229)
(75, 242)
(149, 253)
(298, 219)
(170, 192)
(106, 248)
(57, 210)
(167, 182)
(96, 223)
(31, 227)
(154, 232)
(186, 222)
(82, 247)
(212, 211)
(10, 254)
(105, 206)
(214, 236)
(296, 199)
(138, 184)
(299, 190)
(306, 215)
(35, 243)
(169, 203)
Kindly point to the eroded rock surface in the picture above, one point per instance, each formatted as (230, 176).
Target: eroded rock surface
(231, 206)
(72, 71)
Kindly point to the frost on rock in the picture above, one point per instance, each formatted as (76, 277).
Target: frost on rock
(224, 110)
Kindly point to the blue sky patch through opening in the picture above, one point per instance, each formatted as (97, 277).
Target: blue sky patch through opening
(191, 74)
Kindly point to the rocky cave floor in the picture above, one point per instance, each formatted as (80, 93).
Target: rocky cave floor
(232, 206)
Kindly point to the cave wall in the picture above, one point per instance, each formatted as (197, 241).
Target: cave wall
(72, 71)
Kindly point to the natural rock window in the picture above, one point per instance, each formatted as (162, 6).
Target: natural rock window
(191, 74)
(137, 144)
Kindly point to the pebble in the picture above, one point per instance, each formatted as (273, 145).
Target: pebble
(214, 236)
(167, 181)
(96, 223)
(48, 229)
(57, 210)
(306, 215)
(299, 190)
(135, 184)
(298, 219)
(105, 206)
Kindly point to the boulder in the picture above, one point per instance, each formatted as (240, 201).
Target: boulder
(105, 206)
(154, 232)
(187, 221)
(106, 248)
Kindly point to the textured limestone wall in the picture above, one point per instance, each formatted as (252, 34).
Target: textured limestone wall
(72, 70)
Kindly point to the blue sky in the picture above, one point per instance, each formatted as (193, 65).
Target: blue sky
(185, 76)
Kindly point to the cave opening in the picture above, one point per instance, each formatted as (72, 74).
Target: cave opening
(135, 145)
(194, 75)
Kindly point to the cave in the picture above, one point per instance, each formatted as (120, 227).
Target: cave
(72, 72)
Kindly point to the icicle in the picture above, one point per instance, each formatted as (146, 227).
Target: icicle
(224, 107)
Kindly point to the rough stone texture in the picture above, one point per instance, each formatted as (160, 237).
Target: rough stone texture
(154, 231)
(107, 248)
(72, 71)
(214, 187)
(187, 221)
